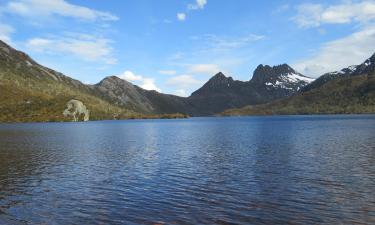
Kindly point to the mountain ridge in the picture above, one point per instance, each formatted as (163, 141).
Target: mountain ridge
(364, 68)
(267, 84)
(350, 90)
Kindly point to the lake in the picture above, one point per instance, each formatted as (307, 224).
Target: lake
(245, 170)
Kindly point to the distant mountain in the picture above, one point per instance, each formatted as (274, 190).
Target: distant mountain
(350, 90)
(267, 84)
(218, 94)
(281, 76)
(122, 93)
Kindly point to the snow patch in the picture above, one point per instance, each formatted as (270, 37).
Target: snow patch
(350, 69)
(290, 81)
(295, 78)
(353, 68)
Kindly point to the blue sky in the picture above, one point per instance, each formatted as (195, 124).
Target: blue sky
(175, 46)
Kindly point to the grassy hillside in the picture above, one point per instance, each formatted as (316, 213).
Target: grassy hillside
(20, 104)
(31, 92)
(343, 95)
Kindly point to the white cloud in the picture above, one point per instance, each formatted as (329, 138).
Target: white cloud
(181, 92)
(176, 56)
(199, 4)
(314, 15)
(308, 15)
(149, 84)
(144, 82)
(167, 72)
(86, 47)
(181, 16)
(40, 8)
(221, 43)
(208, 69)
(183, 81)
(343, 52)
(130, 76)
(281, 8)
(5, 32)
(338, 54)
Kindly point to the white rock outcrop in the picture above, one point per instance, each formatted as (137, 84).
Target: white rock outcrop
(75, 108)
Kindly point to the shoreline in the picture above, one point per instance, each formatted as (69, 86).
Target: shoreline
(192, 117)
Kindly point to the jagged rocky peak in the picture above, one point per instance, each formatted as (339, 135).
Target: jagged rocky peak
(219, 76)
(219, 80)
(278, 69)
(265, 73)
(280, 76)
(217, 83)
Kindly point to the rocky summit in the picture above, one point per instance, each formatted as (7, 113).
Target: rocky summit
(267, 84)
(281, 76)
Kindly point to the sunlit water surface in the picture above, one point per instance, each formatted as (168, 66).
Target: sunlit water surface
(254, 170)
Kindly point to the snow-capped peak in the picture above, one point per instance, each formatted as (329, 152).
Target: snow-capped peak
(280, 76)
(291, 80)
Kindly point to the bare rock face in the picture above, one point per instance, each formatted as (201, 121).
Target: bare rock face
(74, 109)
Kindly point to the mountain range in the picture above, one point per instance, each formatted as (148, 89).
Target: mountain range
(32, 92)
(350, 90)
(267, 84)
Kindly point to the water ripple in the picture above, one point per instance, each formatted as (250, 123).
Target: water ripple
(257, 170)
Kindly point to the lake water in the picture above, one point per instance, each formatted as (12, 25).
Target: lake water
(250, 170)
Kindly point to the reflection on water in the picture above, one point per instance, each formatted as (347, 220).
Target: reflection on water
(257, 170)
